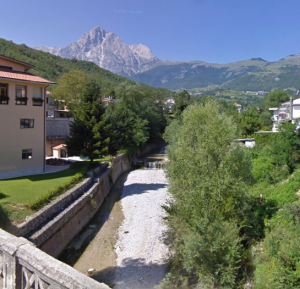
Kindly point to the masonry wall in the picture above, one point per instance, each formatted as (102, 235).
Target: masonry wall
(58, 127)
(53, 236)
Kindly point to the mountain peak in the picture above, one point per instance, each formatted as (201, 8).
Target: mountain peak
(108, 51)
(142, 51)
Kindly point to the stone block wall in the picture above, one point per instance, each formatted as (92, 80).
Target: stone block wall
(53, 227)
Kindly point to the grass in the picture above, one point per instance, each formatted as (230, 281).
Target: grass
(16, 194)
(24, 190)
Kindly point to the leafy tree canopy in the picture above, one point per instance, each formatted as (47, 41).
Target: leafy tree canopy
(276, 97)
(208, 178)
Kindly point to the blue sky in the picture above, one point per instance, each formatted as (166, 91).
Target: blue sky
(218, 31)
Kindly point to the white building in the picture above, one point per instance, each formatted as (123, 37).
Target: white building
(169, 102)
(239, 107)
(287, 111)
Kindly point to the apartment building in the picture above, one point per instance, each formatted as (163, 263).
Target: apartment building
(22, 119)
(287, 111)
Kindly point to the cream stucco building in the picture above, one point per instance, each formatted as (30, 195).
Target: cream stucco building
(22, 119)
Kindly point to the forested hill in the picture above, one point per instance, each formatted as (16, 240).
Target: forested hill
(253, 74)
(52, 67)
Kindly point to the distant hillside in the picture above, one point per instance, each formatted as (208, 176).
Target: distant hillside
(194, 74)
(52, 67)
(281, 74)
(240, 97)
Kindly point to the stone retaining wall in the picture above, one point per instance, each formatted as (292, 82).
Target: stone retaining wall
(56, 234)
(24, 266)
(72, 211)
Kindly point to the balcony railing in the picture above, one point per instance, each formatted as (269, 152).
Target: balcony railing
(36, 101)
(21, 100)
(4, 99)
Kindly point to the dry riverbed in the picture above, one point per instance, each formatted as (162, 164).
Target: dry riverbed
(123, 244)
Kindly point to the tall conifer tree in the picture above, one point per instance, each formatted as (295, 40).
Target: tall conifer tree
(89, 131)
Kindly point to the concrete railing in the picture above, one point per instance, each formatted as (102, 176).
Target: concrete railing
(24, 266)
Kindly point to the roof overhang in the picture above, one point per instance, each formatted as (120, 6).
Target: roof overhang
(27, 65)
(27, 81)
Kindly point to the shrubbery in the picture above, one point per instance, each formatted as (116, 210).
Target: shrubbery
(59, 190)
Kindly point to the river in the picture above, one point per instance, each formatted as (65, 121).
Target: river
(122, 245)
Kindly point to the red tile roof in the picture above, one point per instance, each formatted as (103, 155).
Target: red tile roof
(59, 147)
(23, 76)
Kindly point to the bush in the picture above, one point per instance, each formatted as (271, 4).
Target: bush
(278, 257)
(59, 190)
(265, 170)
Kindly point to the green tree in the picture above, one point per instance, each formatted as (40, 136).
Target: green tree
(276, 97)
(182, 100)
(127, 129)
(286, 149)
(249, 122)
(208, 178)
(89, 131)
(265, 120)
(70, 87)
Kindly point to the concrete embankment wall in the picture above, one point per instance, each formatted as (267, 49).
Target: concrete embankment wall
(59, 232)
(72, 211)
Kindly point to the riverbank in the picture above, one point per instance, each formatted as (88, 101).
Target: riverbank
(141, 252)
(122, 244)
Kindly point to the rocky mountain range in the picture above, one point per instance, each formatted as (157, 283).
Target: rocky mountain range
(138, 63)
(108, 51)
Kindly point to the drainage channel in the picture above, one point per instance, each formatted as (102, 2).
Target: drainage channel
(93, 250)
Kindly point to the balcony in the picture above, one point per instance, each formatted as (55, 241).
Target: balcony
(4, 99)
(21, 100)
(37, 101)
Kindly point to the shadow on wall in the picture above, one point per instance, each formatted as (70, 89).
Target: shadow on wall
(132, 270)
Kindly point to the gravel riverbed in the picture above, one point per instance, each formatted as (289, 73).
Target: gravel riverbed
(141, 254)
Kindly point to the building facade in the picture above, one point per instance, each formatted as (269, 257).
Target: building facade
(287, 111)
(22, 119)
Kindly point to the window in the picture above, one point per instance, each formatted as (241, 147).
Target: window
(37, 99)
(26, 123)
(21, 95)
(4, 93)
(26, 154)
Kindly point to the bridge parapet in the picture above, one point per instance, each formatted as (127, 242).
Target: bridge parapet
(23, 266)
